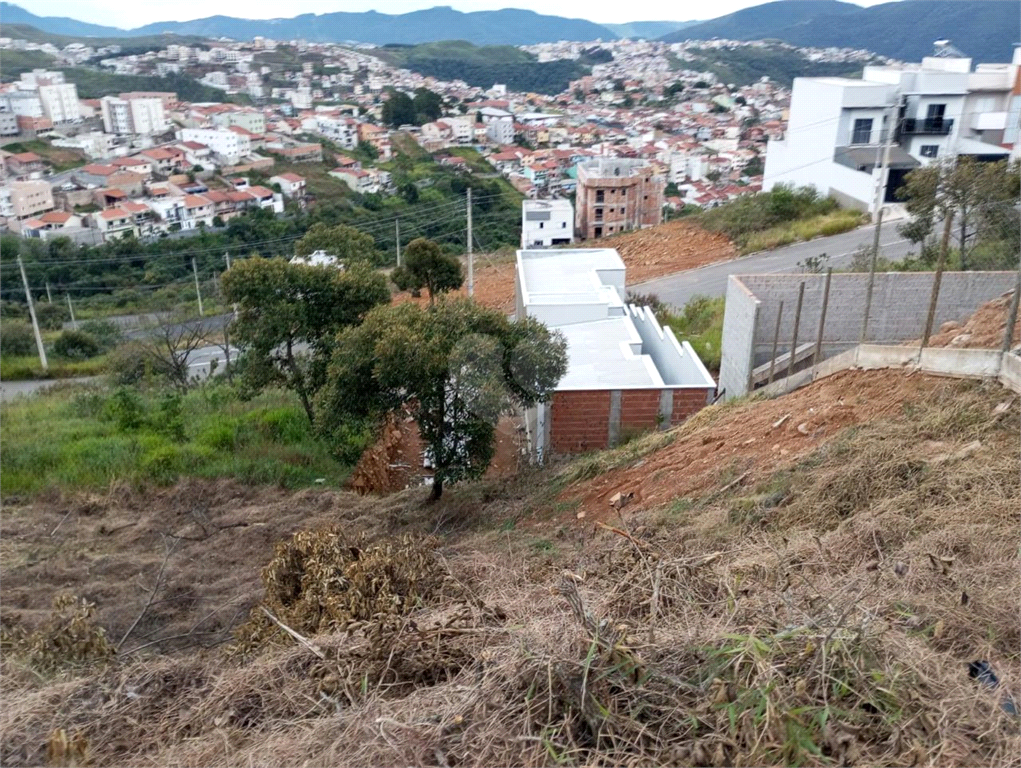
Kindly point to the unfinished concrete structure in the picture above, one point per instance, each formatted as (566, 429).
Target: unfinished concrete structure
(900, 305)
(615, 195)
(625, 372)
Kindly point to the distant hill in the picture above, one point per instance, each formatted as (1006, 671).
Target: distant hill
(647, 30)
(983, 29)
(505, 27)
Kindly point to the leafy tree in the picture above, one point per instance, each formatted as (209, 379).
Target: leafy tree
(346, 243)
(398, 110)
(288, 315)
(367, 151)
(674, 88)
(701, 84)
(977, 194)
(754, 167)
(428, 105)
(455, 366)
(426, 266)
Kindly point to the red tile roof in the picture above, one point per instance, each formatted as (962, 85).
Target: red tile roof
(195, 201)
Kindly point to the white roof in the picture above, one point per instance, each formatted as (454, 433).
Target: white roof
(570, 275)
(606, 353)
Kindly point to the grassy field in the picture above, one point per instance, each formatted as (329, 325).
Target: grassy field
(700, 323)
(95, 437)
(23, 368)
(822, 225)
(13, 63)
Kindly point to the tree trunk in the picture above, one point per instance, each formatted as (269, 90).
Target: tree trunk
(299, 388)
(964, 230)
(437, 490)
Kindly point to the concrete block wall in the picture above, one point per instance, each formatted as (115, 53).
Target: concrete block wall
(739, 323)
(900, 303)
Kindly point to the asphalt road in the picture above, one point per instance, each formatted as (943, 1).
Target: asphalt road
(711, 280)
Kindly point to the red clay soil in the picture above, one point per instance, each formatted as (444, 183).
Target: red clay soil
(749, 441)
(983, 330)
(394, 462)
(647, 253)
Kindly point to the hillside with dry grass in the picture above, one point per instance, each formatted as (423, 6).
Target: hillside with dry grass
(801, 581)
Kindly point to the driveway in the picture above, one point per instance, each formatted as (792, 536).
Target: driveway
(711, 280)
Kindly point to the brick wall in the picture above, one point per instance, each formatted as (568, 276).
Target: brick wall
(688, 402)
(580, 421)
(639, 410)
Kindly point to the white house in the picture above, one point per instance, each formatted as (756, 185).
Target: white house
(342, 131)
(499, 125)
(229, 146)
(939, 108)
(545, 223)
(291, 184)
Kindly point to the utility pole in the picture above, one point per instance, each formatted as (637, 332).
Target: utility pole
(397, 224)
(49, 296)
(880, 197)
(74, 323)
(226, 257)
(471, 257)
(35, 323)
(938, 278)
(198, 292)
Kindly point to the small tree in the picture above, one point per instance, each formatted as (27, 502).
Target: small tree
(426, 266)
(288, 315)
(167, 348)
(346, 243)
(455, 365)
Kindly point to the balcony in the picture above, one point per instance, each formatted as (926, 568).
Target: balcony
(936, 126)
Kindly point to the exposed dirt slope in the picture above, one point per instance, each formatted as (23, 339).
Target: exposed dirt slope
(823, 610)
(647, 253)
(983, 330)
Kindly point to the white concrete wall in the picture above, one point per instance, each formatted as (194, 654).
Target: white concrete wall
(677, 363)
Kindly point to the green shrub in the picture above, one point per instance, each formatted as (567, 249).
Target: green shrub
(222, 436)
(125, 409)
(108, 334)
(16, 339)
(164, 465)
(76, 345)
(169, 419)
(128, 365)
(287, 425)
(51, 317)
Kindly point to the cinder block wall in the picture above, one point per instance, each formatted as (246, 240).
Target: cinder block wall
(900, 303)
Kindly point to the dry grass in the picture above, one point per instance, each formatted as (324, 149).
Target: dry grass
(824, 613)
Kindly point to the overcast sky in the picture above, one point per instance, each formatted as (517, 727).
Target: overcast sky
(127, 14)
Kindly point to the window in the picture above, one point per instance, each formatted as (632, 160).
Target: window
(599, 214)
(623, 193)
(598, 232)
(563, 225)
(934, 116)
(541, 223)
(600, 195)
(862, 131)
(929, 150)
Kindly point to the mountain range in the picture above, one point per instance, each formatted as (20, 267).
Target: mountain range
(983, 29)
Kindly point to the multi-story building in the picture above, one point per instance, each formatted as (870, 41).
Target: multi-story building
(615, 195)
(138, 115)
(940, 108)
(60, 102)
(252, 120)
(8, 123)
(229, 146)
(25, 199)
(545, 223)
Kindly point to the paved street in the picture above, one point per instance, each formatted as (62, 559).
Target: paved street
(711, 280)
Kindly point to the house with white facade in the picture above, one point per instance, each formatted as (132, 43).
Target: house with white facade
(228, 146)
(940, 108)
(545, 223)
(625, 372)
(291, 184)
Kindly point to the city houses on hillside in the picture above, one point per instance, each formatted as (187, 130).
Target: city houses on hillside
(615, 195)
(939, 108)
(625, 372)
(545, 223)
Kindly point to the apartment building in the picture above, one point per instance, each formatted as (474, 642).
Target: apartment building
(25, 199)
(939, 108)
(60, 102)
(229, 146)
(252, 120)
(625, 372)
(616, 195)
(545, 223)
(138, 115)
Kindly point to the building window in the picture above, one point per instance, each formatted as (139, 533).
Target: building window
(599, 214)
(541, 224)
(563, 225)
(600, 195)
(862, 131)
(598, 232)
(623, 193)
(934, 116)
(929, 150)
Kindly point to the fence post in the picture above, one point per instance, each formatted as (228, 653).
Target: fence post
(822, 317)
(943, 247)
(797, 322)
(1008, 332)
(750, 386)
(776, 340)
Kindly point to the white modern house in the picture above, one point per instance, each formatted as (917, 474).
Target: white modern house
(625, 372)
(229, 146)
(940, 108)
(545, 223)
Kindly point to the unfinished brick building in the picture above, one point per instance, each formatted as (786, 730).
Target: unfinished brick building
(615, 195)
(625, 373)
